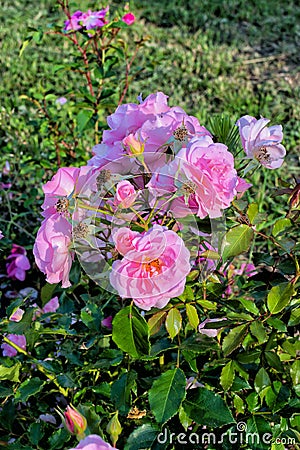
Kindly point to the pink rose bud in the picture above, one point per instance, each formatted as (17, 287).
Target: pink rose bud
(75, 422)
(136, 147)
(125, 195)
(129, 18)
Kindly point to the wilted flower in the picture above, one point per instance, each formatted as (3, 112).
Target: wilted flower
(261, 142)
(75, 422)
(129, 18)
(18, 339)
(211, 332)
(17, 263)
(93, 442)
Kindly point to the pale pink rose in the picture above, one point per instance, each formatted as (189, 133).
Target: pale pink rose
(129, 18)
(261, 142)
(123, 238)
(154, 271)
(18, 339)
(125, 195)
(17, 263)
(93, 442)
(51, 249)
(211, 332)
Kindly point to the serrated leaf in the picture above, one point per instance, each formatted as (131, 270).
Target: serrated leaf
(10, 373)
(155, 322)
(173, 322)
(261, 380)
(207, 304)
(142, 437)
(130, 332)
(121, 391)
(234, 339)
(277, 323)
(28, 388)
(237, 240)
(166, 394)
(227, 376)
(258, 330)
(83, 118)
(249, 305)
(274, 361)
(192, 316)
(238, 404)
(280, 225)
(279, 297)
(207, 408)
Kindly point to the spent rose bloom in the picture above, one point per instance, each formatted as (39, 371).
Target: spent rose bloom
(211, 332)
(93, 442)
(125, 195)
(154, 271)
(17, 263)
(261, 142)
(18, 339)
(75, 422)
(128, 18)
(51, 249)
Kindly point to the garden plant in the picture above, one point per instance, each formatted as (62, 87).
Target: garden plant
(150, 256)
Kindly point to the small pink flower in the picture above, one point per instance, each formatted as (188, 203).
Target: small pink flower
(125, 195)
(17, 315)
(94, 19)
(93, 442)
(107, 322)
(211, 332)
(51, 249)
(18, 339)
(73, 24)
(154, 271)
(17, 263)
(51, 306)
(261, 142)
(129, 18)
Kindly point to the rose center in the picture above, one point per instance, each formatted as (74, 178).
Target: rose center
(62, 205)
(262, 155)
(153, 267)
(189, 187)
(180, 133)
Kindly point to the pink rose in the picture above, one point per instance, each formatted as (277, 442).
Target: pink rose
(154, 271)
(94, 19)
(93, 442)
(73, 24)
(123, 239)
(125, 195)
(261, 142)
(51, 249)
(17, 263)
(18, 339)
(129, 18)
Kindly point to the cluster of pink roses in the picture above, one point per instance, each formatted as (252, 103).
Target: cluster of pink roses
(155, 163)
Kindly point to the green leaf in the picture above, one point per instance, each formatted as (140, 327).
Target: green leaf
(35, 432)
(121, 391)
(238, 404)
(274, 361)
(279, 297)
(184, 419)
(294, 318)
(6, 391)
(249, 305)
(130, 332)
(258, 330)
(257, 426)
(166, 394)
(155, 322)
(237, 240)
(252, 211)
(30, 387)
(280, 225)
(207, 408)
(24, 45)
(192, 315)
(206, 304)
(277, 323)
(234, 339)
(295, 375)
(47, 292)
(10, 373)
(83, 118)
(173, 322)
(227, 376)
(142, 437)
(262, 380)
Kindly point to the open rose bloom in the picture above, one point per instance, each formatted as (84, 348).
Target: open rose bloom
(133, 215)
(93, 442)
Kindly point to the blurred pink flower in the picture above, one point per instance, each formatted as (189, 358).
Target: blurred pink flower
(125, 195)
(18, 339)
(93, 442)
(61, 101)
(51, 306)
(154, 271)
(94, 19)
(261, 142)
(107, 322)
(129, 18)
(73, 24)
(17, 263)
(17, 315)
(51, 249)
(211, 332)
(1, 235)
